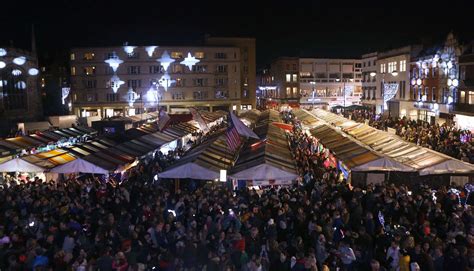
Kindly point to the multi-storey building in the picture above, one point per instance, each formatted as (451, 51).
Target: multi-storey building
(266, 89)
(330, 81)
(434, 80)
(392, 80)
(19, 92)
(463, 106)
(369, 82)
(284, 71)
(147, 77)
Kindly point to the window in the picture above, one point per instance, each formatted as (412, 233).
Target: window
(295, 77)
(180, 82)
(221, 55)
(462, 74)
(358, 65)
(433, 94)
(112, 97)
(288, 91)
(90, 83)
(221, 81)
(177, 68)
(177, 96)
(91, 97)
(133, 54)
(294, 67)
(392, 66)
(73, 70)
(156, 69)
(89, 70)
(199, 68)
(89, 56)
(176, 54)
(222, 68)
(134, 83)
(221, 94)
(200, 95)
(109, 70)
(288, 77)
(403, 65)
(73, 56)
(295, 91)
(382, 68)
(471, 97)
(133, 70)
(246, 93)
(246, 69)
(199, 55)
(200, 82)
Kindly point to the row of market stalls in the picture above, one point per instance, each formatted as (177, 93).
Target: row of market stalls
(257, 162)
(372, 155)
(43, 141)
(102, 155)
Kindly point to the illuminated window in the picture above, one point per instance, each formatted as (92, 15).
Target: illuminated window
(392, 66)
(463, 97)
(382, 68)
(89, 70)
(73, 56)
(403, 65)
(199, 55)
(177, 68)
(176, 54)
(180, 82)
(295, 91)
(288, 91)
(73, 70)
(471, 97)
(288, 77)
(295, 77)
(89, 56)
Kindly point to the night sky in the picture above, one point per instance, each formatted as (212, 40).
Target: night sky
(282, 28)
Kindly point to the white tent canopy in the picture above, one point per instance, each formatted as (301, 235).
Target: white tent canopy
(383, 164)
(190, 171)
(19, 165)
(264, 172)
(448, 166)
(79, 165)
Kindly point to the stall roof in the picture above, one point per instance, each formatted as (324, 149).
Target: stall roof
(424, 160)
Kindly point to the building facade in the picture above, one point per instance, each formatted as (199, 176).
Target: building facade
(369, 80)
(330, 81)
(19, 87)
(393, 82)
(284, 72)
(266, 89)
(463, 106)
(434, 80)
(148, 77)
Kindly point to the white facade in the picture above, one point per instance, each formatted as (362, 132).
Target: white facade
(323, 81)
(369, 82)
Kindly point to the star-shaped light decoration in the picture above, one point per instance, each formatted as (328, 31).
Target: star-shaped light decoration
(150, 50)
(165, 60)
(189, 61)
(132, 96)
(165, 81)
(114, 61)
(129, 49)
(115, 83)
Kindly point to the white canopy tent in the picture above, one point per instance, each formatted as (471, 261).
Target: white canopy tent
(79, 165)
(19, 165)
(190, 171)
(449, 166)
(383, 164)
(265, 172)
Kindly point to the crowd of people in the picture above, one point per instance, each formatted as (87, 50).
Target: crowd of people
(444, 138)
(319, 223)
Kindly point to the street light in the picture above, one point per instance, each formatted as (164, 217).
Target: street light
(313, 83)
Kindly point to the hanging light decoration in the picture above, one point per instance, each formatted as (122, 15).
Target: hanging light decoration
(418, 82)
(21, 85)
(413, 81)
(33, 71)
(190, 61)
(455, 82)
(16, 72)
(132, 96)
(165, 60)
(3, 52)
(114, 61)
(2, 64)
(129, 49)
(450, 82)
(165, 81)
(115, 83)
(150, 50)
(19, 60)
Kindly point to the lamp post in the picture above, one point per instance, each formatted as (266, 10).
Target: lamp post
(313, 83)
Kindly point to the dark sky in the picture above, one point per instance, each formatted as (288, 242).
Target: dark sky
(282, 28)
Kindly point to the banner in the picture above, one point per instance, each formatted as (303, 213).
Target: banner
(390, 90)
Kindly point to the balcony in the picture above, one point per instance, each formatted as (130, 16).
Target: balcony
(463, 108)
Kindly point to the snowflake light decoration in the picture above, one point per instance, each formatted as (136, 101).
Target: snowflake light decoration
(190, 61)
(115, 83)
(165, 81)
(19, 60)
(150, 50)
(114, 61)
(165, 60)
